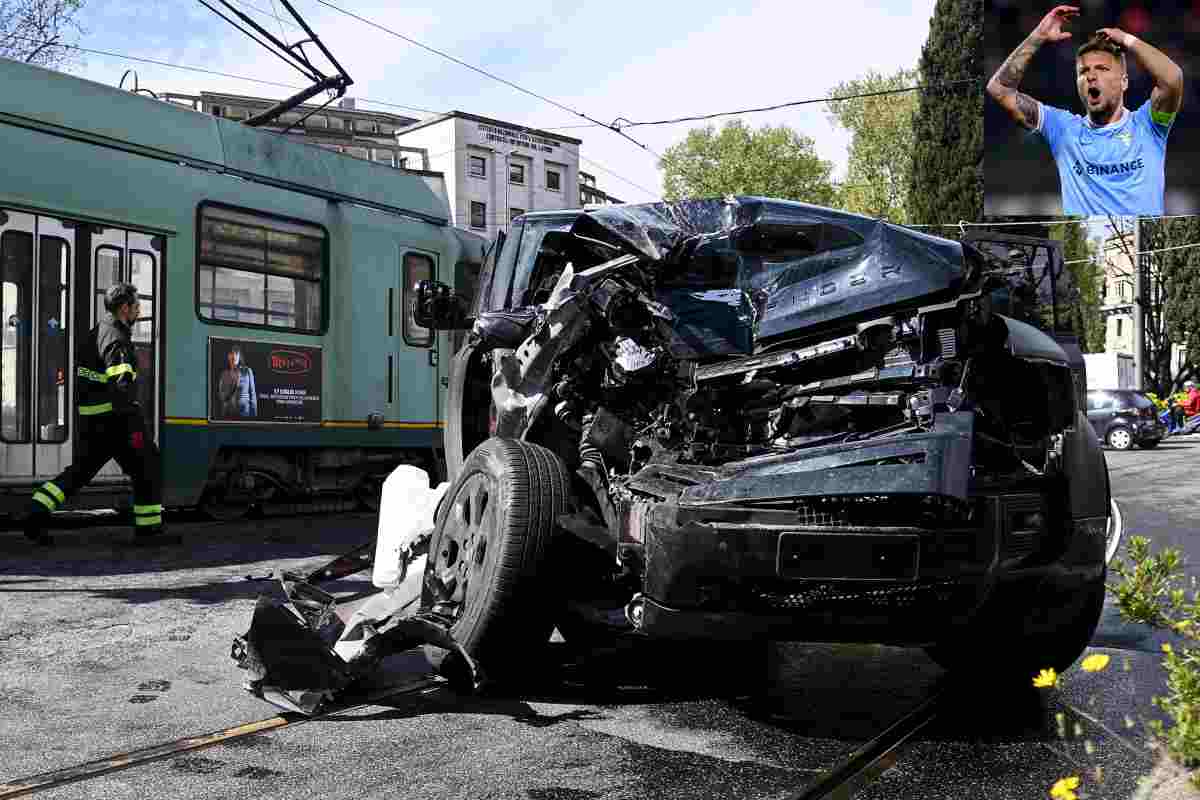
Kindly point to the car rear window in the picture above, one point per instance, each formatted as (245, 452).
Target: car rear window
(1140, 401)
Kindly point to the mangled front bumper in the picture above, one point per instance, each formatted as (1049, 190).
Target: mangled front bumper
(888, 541)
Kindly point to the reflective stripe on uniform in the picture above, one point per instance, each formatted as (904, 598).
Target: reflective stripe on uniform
(54, 491)
(118, 369)
(100, 408)
(91, 375)
(150, 509)
(45, 500)
(141, 521)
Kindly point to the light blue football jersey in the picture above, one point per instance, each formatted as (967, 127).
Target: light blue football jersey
(1115, 169)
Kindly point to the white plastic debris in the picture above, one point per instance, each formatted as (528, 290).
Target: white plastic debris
(405, 514)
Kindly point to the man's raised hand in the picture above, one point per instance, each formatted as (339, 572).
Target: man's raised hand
(1050, 29)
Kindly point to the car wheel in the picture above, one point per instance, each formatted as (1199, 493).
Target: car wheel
(1149, 444)
(1119, 438)
(1014, 659)
(488, 551)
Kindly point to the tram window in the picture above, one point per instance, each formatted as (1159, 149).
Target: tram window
(54, 269)
(108, 272)
(417, 267)
(258, 270)
(16, 274)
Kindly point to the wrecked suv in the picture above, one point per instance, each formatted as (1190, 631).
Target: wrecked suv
(752, 419)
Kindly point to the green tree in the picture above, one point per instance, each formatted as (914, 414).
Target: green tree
(770, 161)
(881, 146)
(1081, 311)
(1170, 300)
(947, 164)
(39, 31)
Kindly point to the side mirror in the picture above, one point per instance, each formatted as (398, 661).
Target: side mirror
(437, 307)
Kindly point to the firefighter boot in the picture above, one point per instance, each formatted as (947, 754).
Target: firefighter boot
(154, 536)
(35, 527)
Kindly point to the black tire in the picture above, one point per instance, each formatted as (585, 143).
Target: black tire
(1119, 438)
(1013, 659)
(493, 532)
(1149, 444)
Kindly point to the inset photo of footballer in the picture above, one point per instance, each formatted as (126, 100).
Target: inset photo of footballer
(1087, 110)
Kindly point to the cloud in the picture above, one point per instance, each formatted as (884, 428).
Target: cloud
(626, 58)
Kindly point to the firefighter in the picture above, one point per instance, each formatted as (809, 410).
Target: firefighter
(111, 426)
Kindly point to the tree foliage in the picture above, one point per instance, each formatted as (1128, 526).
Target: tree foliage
(39, 31)
(1170, 300)
(947, 163)
(1081, 312)
(770, 161)
(880, 165)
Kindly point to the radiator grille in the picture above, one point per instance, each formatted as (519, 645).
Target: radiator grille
(843, 597)
(949, 343)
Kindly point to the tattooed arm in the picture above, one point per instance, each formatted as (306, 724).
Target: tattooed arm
(1003, 85)
(1167, 96)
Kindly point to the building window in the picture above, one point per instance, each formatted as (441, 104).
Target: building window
(386, 128)
(553, 180)
(359, 152)
(337, 123)
(478, 215)
(257, 270)
(1119, 321)
(516, 174)
(384, 157)
(402, 163)
(478, 167)
(513, 213)
(364, 126)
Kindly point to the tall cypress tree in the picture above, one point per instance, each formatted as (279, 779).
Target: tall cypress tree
(947, 167)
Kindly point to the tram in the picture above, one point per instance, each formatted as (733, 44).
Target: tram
(278, 355)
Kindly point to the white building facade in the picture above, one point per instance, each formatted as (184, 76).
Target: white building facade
(496, 170)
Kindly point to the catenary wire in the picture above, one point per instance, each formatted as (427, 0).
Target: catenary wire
(612, 127)
(623, 123)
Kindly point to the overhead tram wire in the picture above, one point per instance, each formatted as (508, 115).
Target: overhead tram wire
(206, 71)
(791, 104)
(294, 63)
(273, 14)
(612, 127)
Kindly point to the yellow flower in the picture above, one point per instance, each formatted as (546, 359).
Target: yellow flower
(1046, 678)
(1166, 647)
(1095, 662)
(1064, 788)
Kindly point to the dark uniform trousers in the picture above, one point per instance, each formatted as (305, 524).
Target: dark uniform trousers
(102, 438)
(111, 426)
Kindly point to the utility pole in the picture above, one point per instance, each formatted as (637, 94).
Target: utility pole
(1139, 321)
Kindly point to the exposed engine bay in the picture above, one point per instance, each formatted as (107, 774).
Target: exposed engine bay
(634, 369)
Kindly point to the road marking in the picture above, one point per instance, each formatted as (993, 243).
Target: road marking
(22, 787)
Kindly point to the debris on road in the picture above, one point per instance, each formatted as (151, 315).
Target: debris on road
(302, 654)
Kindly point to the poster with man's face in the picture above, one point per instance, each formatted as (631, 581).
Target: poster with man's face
(252, 381)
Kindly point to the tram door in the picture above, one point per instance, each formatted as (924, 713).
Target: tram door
(414, 378)
(36, 264)
(117, 255)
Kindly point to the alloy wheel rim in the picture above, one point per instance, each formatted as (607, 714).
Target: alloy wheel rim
(465, 555)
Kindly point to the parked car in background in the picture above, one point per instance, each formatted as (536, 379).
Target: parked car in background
(1123, 418)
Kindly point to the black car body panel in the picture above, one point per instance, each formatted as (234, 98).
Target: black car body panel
(1127, 409)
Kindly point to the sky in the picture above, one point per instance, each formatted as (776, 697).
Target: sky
(627, 58)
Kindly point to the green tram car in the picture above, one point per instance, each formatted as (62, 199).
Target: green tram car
(279, 358)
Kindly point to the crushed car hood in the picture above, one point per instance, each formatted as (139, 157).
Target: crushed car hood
(801, 266)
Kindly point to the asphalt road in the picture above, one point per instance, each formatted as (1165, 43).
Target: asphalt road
(105, 649)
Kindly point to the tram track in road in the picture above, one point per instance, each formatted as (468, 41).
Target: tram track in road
(867, 763)
(90, 770)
